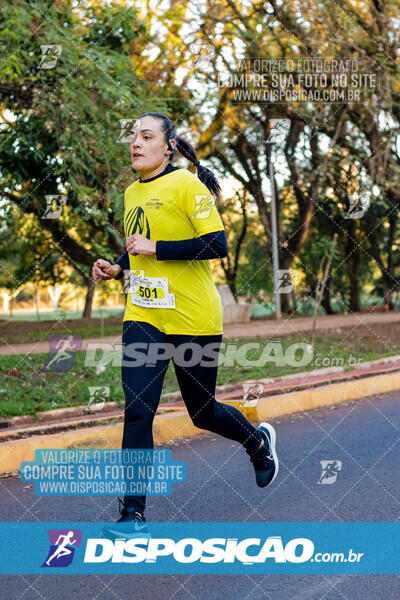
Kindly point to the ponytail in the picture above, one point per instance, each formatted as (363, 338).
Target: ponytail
(205, 175)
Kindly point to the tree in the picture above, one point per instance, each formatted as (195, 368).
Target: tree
(61, 125)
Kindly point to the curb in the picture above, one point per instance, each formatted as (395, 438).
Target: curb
(176, 424)
(224, 393)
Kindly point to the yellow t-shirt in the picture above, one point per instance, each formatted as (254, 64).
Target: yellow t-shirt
(175, 206)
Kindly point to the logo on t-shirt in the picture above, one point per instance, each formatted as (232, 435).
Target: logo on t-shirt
(154, 203)
(137, 222)
(204, 204)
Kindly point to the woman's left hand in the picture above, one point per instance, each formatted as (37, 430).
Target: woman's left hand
(138, 244)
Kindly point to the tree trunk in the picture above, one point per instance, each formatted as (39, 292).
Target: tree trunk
(87, 311)
(6, 301)
(231, 281)
(353, 265)
(354, 292)
(55, 293)
(389, 281)
(387, 285)
(326, 298)
(294, 301)
(285, 297)
(36, 298)
(285, 304)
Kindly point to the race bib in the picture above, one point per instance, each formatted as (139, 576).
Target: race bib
(151, 292)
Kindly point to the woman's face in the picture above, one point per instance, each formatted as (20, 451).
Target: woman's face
(148, 147)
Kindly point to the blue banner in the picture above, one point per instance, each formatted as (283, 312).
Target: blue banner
(213, 548)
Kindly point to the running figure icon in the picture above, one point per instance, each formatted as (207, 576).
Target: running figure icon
(62, 346)
(62, 549)
(62, 351)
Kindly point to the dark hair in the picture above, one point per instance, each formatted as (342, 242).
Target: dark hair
(205, 175)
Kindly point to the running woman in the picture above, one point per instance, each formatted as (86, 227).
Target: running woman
(172, 229)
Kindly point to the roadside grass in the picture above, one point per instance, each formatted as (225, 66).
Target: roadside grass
(26, 389)
(20, 332)
(86, 331)
(49, 314)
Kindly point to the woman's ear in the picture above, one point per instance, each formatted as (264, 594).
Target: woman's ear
(171, 144)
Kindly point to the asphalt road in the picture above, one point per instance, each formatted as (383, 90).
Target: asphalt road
(363, 434)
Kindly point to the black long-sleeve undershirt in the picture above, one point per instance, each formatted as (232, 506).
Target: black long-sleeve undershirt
(205, 247)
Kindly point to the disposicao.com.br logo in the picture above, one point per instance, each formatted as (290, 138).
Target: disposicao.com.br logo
(247, 551)
(200, 547)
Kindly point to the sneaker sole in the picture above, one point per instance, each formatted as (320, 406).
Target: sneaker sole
(272, 436)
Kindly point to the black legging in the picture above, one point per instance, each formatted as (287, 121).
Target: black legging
(143, 384)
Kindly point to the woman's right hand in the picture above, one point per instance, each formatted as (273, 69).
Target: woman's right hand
(99, 270)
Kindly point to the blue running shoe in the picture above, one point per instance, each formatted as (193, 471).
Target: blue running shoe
(131, 524)
(264, 459)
